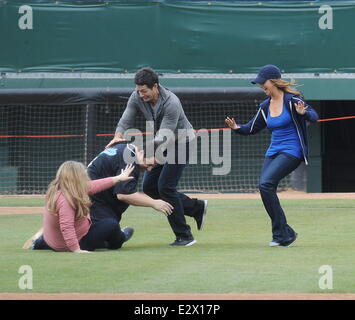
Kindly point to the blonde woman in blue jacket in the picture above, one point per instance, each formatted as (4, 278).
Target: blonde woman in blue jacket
(285, 114)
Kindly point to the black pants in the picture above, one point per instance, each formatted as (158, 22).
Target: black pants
(274, 169)
(105, 233)
(161, 183)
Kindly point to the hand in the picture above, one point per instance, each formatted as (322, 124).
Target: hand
(231, 123)
(124, 176)
(163, 206)
(115, 141)
(81, 251)
(300, 107)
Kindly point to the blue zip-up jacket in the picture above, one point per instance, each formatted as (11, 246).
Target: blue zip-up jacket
(258, 122)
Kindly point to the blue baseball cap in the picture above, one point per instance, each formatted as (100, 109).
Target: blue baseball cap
(267, 72)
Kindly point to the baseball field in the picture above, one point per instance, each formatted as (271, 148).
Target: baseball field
(231, 259)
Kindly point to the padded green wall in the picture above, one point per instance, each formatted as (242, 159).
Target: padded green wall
(177, 36)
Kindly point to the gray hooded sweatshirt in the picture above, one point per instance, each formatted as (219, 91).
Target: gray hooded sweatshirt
(170, 121)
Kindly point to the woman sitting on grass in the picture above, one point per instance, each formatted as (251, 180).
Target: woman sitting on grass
(66, 222)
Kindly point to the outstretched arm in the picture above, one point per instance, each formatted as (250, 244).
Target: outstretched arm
(99, 185)
(231, 123)
(304, 109)
(256, 124)
(126, 122)
(143, 200)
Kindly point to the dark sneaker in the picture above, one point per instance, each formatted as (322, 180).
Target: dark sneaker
(29, 242)
(183, 242)
(289, 242)
(200, 219)
(128, 232)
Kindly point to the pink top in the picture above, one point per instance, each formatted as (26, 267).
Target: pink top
(62, 232)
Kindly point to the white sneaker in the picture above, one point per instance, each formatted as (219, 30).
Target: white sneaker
(274, 244)
(29, 242)
(200, 221)
(183, 242)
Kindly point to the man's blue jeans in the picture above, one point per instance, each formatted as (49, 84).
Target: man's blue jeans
(275, 168)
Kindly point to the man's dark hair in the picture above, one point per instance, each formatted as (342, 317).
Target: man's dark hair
(146, 76)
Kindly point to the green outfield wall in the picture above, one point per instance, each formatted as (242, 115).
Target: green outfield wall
(177, 36)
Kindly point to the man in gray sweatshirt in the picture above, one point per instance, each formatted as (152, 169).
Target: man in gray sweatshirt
(172, 134)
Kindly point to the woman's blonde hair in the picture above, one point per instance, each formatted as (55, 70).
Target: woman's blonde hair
(72, 180)
(285, 86)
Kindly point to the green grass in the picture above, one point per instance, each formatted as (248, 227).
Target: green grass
(21, 202)
(231, 254)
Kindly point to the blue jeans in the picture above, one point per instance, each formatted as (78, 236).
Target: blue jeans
(105, 233)
(275, 168)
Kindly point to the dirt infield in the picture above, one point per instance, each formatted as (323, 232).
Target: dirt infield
(176, 296)
(20, 210)
(282, 195)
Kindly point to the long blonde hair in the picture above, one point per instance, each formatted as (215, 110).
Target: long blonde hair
(72, 180)
(285, 86)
